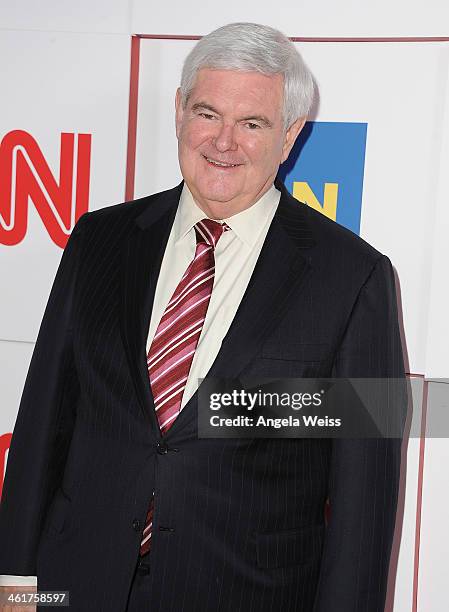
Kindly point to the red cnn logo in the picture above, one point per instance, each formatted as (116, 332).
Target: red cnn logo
(5, 441)
(25, 174)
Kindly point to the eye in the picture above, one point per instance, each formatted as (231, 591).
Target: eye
(206, 115)
(252, 126)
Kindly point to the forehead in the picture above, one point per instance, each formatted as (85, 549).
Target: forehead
(238, 90)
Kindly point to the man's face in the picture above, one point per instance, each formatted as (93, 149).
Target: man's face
(231, 138)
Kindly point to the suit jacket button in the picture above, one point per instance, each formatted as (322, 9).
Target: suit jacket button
(136, 525)
(143, 568)
(162, 448)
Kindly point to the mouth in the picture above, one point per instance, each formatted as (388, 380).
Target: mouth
(219, 164)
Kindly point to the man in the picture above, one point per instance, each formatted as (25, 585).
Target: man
(109, 492)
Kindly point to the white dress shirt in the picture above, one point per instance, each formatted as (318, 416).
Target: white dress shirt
(236, 255)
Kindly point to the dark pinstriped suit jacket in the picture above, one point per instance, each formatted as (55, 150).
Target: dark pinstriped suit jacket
(246, 517)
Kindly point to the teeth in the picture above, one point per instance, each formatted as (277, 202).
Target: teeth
(216, 163)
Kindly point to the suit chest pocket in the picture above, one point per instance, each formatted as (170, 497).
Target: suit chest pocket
(296, 351)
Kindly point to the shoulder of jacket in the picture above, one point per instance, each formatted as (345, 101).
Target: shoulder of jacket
(330, 233)
(124, 211)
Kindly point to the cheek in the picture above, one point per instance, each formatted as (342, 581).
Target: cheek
(255, 149)
(192, 136)
(262, 153)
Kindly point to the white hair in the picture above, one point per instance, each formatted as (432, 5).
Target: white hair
(251, 47)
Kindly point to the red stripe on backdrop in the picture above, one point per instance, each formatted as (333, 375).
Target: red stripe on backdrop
(422, 445)
(5, 442)
(132, 117)
(314, 38)
(399, 39)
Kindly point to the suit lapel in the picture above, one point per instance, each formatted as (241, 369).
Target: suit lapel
(141, 260)
(280, 270)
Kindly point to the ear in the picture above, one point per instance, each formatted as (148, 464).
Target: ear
(179, 111)
(290, 136)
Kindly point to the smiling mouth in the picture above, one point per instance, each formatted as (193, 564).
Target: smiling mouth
(220, 164)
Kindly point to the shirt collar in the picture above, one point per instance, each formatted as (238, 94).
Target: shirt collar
(247, 224)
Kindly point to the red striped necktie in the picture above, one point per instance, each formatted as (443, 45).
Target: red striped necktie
(174, 344)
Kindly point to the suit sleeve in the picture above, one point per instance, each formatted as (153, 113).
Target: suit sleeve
(44, 423)
(364, 473)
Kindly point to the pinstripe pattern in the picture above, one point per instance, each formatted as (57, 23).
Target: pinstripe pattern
(174, 343)
(238, 524)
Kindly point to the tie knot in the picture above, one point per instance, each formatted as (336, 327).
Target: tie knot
(209, 231)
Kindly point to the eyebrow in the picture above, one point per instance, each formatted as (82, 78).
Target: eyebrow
(201, 105)
(261, 118)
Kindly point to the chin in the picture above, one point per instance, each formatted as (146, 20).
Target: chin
(218, 195)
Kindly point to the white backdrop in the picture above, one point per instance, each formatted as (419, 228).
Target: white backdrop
(324, 18)
(66, 68)
(75, 83)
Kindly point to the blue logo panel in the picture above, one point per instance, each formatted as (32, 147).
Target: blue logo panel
(325, 169)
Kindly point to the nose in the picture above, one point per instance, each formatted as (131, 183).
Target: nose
(225, 139)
